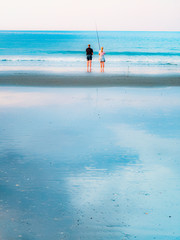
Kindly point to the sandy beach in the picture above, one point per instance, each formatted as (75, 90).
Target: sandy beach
(41, 79)
(89, 163)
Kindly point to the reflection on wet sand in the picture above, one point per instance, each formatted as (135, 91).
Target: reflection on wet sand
(88, 164)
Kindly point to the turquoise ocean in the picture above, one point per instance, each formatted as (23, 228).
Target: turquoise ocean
(135, 52)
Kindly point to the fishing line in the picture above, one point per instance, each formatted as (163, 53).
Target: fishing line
(97, 36)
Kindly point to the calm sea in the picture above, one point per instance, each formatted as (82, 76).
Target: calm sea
(133, 52)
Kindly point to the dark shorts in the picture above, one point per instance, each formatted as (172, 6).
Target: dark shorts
(89, 57)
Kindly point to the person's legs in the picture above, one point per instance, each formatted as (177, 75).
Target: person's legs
(103, 66)
(87, 66)
(90, 64)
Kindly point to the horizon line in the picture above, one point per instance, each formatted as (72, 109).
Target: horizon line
(40, 30)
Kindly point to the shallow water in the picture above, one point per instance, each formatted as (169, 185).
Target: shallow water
(89, 163)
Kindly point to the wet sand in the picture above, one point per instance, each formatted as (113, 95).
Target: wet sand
(89, 163)
(40, 79)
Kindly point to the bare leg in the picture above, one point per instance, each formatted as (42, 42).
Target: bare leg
(103, 66)
(90, 65)
(87, 66)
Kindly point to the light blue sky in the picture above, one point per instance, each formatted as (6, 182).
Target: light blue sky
(148, 15)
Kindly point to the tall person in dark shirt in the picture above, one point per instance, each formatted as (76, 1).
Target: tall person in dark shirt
(89, 53)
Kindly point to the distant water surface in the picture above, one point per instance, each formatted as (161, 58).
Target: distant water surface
(132, 52)
(89, 163)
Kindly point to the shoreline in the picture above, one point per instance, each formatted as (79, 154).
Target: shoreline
(46, 79)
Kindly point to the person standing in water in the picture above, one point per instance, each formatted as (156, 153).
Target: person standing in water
(89, 53)
(102, 59)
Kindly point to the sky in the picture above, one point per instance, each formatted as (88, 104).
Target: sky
(121, 15)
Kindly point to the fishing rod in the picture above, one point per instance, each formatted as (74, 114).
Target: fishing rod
(97, 36)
